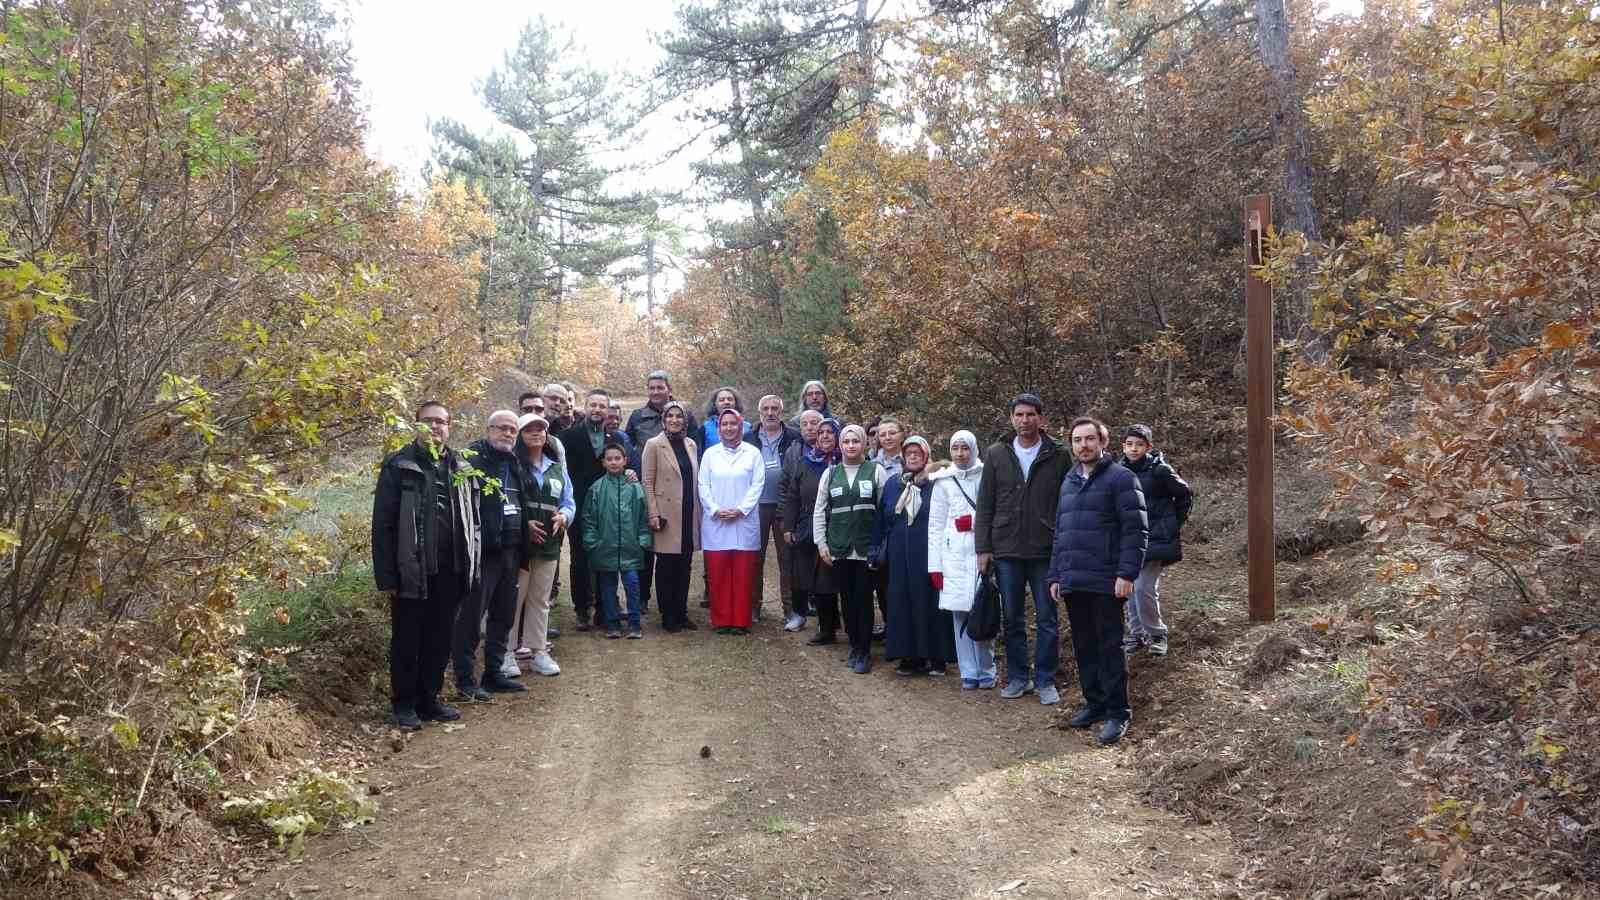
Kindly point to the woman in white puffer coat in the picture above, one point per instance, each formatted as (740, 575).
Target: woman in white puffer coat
(953, 555)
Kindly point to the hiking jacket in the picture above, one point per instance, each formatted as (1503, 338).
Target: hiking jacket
(403, 539)
(617, 531)
(1167, 499)
(1016, 515)
(1101, 531)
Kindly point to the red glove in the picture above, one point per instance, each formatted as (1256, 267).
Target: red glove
(938, 580)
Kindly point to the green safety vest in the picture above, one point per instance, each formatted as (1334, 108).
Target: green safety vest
(852, 509)
(542, 506)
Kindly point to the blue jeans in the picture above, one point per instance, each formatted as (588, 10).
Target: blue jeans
(607, 584)
(1014, 576)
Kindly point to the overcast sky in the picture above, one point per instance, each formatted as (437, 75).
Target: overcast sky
(421, 59)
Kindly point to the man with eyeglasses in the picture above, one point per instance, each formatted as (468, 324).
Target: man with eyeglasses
(505, 544)
(425, 557)
(555, 404)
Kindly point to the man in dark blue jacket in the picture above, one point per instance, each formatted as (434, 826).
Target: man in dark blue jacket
(505, 542)
(1101, 534)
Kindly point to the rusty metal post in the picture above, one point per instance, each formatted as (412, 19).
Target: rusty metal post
(1258, 409)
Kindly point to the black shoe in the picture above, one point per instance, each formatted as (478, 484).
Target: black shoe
(405, 718)
(688, 625)
(1112, 731)
(552, 632)
(821, 638)
(503, 686)
(434, 711)
(584, 626)
(740, 631)
(472, 693)
(672, 629)
(936, 670)
(1085, 717)
(907, 668)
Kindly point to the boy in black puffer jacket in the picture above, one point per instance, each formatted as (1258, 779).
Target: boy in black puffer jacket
(1167, 498)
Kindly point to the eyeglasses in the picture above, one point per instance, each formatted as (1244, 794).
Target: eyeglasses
(536, 410)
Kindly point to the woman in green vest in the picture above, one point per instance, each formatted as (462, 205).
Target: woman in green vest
(846, 510)
(547, 509)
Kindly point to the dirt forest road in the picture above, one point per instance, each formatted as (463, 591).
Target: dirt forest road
(819, 783)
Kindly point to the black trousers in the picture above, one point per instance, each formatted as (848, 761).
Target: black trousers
(419, 641)
(672, 587)
(880, 586)
(855, 595)
(1096, 623)
(800, 602)
(498, 595)
(826, 607)
(647, 575)
(582, 579)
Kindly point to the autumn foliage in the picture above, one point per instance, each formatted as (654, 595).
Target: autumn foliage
(208, 290)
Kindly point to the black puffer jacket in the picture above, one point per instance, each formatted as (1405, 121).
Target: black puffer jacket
(1167, 499)
(1101, 531)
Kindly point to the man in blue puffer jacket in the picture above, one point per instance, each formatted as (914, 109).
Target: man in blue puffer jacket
(1099, 547)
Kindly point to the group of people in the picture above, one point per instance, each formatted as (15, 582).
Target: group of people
(871, 534)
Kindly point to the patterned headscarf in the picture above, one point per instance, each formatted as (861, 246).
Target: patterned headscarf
(818, 460)
(910, 501)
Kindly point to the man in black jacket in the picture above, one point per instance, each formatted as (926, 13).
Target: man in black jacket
(1168, 499)
(425, 556)
(505, 547)
(1014, 526)
(1101, 533)
(583, 443)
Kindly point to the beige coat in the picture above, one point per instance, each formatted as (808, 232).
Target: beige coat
(663, 491)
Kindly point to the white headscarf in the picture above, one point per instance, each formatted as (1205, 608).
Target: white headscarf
(966, 437)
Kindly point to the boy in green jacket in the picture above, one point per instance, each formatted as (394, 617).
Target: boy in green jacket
(616, 532)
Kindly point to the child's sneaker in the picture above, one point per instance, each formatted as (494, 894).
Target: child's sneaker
(634, 634)
(613, 633)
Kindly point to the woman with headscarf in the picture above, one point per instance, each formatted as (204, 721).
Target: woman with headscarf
(920, 633)
(722, 398)
(953, 554)
(844, 517)
(671, 488)
(731, 477)
(809, 578)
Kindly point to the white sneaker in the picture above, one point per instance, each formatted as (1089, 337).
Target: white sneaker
(544, 664)
(524, 653)
(795, 623)
(509, 667)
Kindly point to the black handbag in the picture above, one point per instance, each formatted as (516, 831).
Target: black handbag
(983, 623)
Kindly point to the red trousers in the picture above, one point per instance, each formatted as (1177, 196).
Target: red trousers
(731, 574)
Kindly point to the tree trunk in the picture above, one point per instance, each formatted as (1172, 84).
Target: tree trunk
(1289, 133)
(866, 87)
